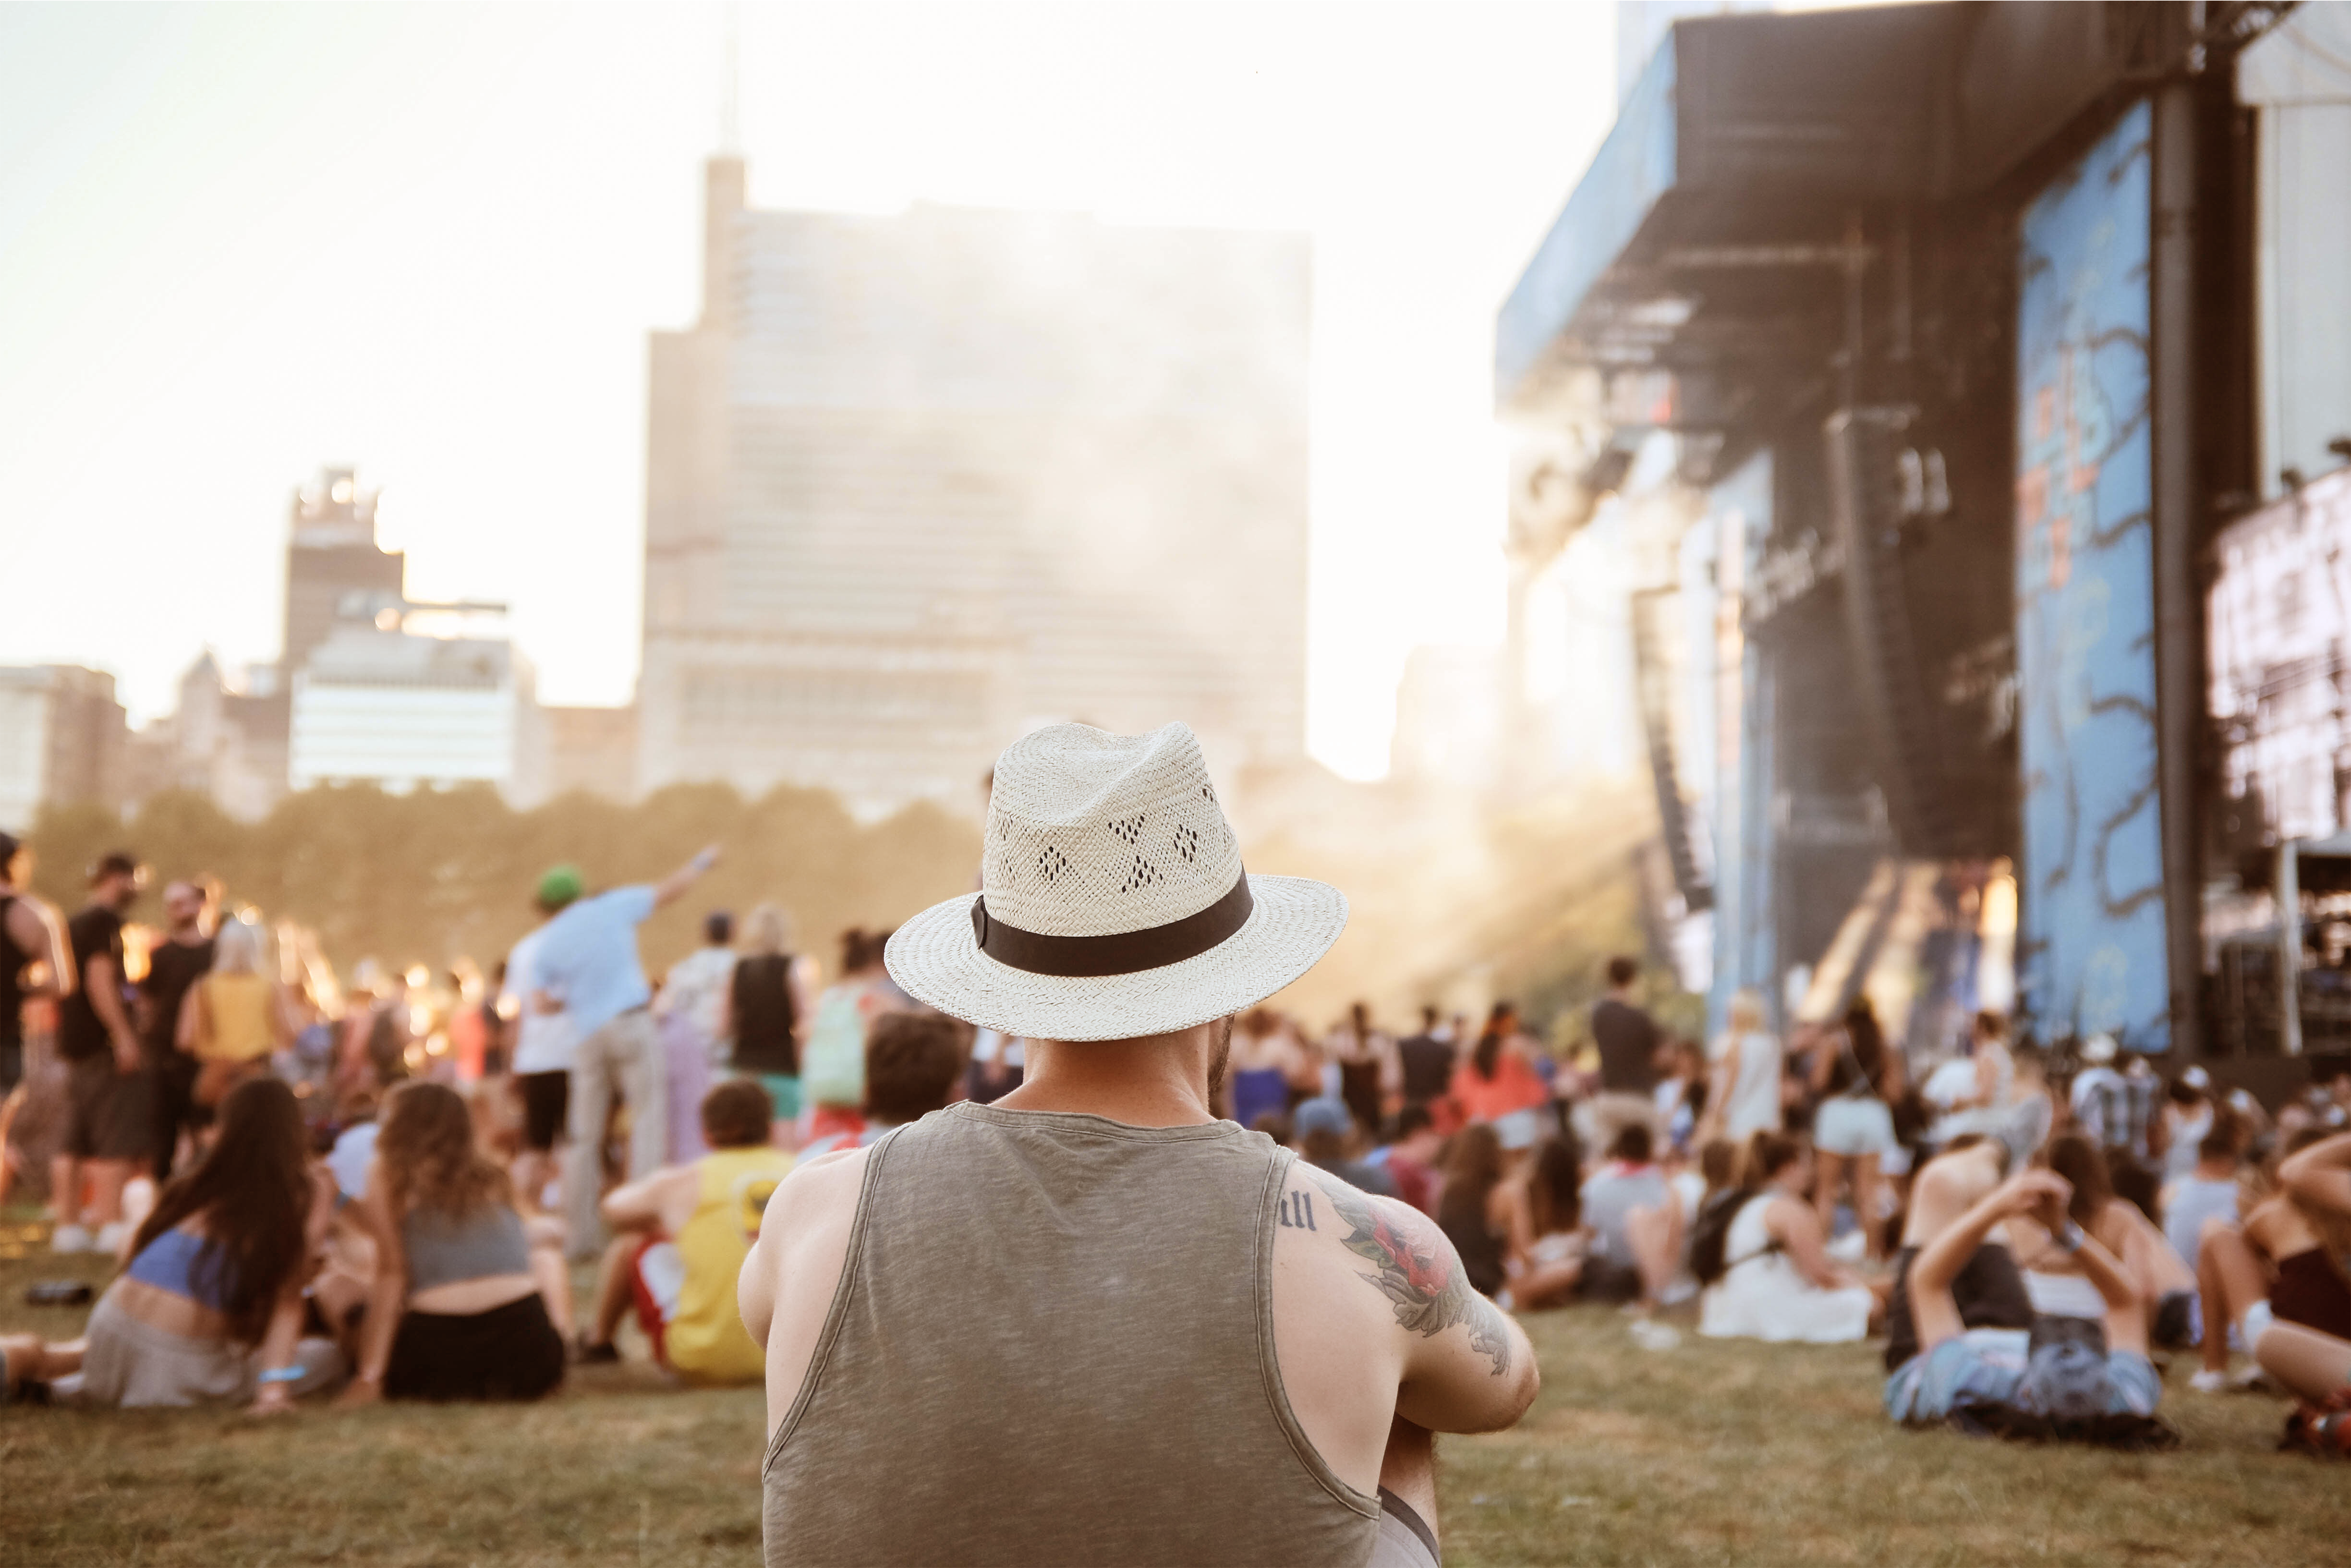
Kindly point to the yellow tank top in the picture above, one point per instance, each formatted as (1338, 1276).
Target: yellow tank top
(705, 1339)
(239, 1006)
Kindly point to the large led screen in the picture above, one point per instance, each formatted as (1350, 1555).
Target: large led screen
(2091, 957)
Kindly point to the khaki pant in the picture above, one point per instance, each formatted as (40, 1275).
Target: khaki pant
(623, 1054)
(1599, 1119)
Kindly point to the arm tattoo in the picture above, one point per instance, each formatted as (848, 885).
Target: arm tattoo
(1424, 1284)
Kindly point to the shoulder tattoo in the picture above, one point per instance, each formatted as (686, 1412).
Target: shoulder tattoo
(1423, 1283)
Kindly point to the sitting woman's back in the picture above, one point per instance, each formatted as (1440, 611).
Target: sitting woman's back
(1473, 1169)
(461, 1309)
(217, 1269)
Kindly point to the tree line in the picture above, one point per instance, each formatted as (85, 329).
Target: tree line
(435, 876)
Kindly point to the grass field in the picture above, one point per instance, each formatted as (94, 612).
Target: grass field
(1710, 1454)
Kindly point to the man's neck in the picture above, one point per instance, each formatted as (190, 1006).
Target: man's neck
(1159, 1082)
(2216, 1170)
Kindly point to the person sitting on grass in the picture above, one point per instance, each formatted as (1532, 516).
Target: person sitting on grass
(2055, 1280)
(210, 1308)
(681, 1235)
(1325, 1130)
(1778, 1282)
(2314, 1367)
(1466, 1210)
(1542, 1220)
(1636, 1222)
(469, 1301)
(1410, 1158)
(913, 1063)
(2280, 1266)
(2064, 1377)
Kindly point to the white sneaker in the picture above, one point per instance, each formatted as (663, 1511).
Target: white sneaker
(1650, 1335)
(110, 1237)
(2208, 1381)
(69, 1238)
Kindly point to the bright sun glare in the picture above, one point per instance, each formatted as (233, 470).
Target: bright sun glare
(235, 244)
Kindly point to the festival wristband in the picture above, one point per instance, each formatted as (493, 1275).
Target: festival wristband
(279, 1375)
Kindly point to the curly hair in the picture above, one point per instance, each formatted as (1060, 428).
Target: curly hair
(429, 1157)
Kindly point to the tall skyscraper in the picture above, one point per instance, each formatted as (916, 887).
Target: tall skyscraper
(917, 483)
(330, 552)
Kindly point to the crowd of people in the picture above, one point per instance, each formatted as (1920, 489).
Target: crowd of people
(378, 1190)
(1982, 1219)
(309, 1188)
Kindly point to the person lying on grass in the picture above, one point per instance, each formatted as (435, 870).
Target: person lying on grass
(683, 1234)
(2065, 1378)
(470, 1300)
(210, 1308)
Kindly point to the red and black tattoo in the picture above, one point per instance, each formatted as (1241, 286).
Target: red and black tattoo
(1424, 1283)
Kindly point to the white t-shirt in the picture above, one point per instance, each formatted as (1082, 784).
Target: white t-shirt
(1948, 1084)
(696, 987)
(544, 1042)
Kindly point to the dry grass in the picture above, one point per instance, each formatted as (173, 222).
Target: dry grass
(1711, 1454)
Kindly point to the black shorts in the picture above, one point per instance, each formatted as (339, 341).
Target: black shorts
(1606, 1280)
(546, 1097)
(109, 1114)
(507, 1352)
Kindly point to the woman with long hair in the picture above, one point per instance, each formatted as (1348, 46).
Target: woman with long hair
(1853, 1128)
(470, 1303)
(1778, 1282)
(1542, 1213)
(1467, 1212)
(1499, 1085)
(210, 1307)
(769, 1005)
(236, 1014)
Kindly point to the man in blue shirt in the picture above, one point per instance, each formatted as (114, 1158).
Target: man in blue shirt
(589, 968)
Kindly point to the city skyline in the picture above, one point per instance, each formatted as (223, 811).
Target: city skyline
(431, 243)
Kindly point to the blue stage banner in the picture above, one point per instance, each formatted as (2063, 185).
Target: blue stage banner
(2091, 951)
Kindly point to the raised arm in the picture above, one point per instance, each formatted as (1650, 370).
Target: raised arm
(2321, 1174)
(672, 888)
(1940, 1260)
(1468, 1365)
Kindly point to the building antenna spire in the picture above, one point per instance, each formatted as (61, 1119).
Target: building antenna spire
(730, 83)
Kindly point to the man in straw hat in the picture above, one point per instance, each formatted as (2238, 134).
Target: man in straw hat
(1091, 1323)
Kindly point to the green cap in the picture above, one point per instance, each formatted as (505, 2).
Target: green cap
(559, 887)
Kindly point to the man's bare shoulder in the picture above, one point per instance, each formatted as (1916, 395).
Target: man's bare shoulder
(1399, 1251)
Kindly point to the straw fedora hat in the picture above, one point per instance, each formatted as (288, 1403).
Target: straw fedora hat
(1113, 903)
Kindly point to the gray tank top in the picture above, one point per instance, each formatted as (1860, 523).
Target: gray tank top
(1053, 1341)
(443, 1252)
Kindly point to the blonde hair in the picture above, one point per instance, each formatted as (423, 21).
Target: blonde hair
(1746, 1011)
(237, 948)
(767, 930)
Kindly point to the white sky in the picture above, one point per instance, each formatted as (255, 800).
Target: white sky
(239, 243)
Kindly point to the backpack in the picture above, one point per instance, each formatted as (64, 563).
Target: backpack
(833, 1062)
(1710, 1237)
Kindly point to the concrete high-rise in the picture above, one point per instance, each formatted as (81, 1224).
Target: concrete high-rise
(330, 552)
(917, 483)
